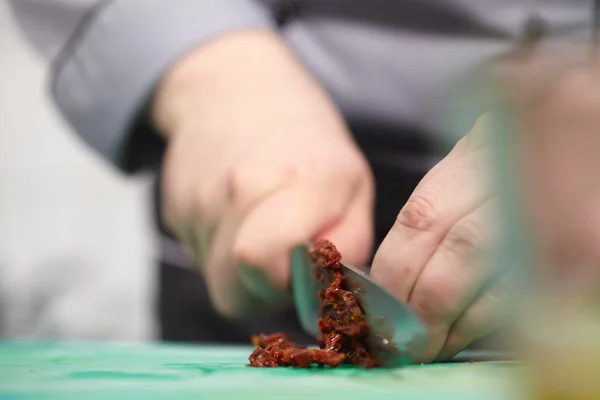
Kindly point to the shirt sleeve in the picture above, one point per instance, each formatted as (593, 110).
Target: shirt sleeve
(108, 56)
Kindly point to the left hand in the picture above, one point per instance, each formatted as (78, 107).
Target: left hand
(434, 256)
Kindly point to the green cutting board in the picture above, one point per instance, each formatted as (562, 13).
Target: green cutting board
(90, 371)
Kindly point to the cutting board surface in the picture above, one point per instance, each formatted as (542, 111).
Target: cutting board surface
(48, 370)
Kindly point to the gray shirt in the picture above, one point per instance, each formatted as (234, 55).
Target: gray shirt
(393, 62)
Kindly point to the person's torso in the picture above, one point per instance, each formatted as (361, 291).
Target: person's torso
(393, 62)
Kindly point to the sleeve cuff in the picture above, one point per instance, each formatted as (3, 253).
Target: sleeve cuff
(103, 79)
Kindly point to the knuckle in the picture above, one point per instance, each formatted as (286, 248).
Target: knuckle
(348, 171)
(358, 166)
(467, 239)
(419, 213)
(366, 177)
(249, 182)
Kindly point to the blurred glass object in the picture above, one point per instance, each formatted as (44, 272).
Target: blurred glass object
(544, 135)
(546, 147)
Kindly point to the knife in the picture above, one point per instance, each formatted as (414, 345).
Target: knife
(395, 331)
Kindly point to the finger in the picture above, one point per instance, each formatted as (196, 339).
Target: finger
(226, 289)
(246, 186)
(448, 192)
(289, 218)
(197, 242)
(193, 228)
(353, 235)
(453, 276)
(490, 311)
(250, 258)
(184, 204)
(249, 182)
(198, 214)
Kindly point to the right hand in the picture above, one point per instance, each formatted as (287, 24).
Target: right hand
(258, 161)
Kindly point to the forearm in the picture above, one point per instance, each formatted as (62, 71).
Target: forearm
(110, 63)
(253, 64)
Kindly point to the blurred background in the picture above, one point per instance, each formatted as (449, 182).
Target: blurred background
(75, 240)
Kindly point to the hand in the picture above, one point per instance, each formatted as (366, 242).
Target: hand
(435, 255)
(258, 161)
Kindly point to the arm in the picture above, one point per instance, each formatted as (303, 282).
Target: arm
(107, 56)
(242, 179)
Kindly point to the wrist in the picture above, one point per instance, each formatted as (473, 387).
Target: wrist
(238, 63)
